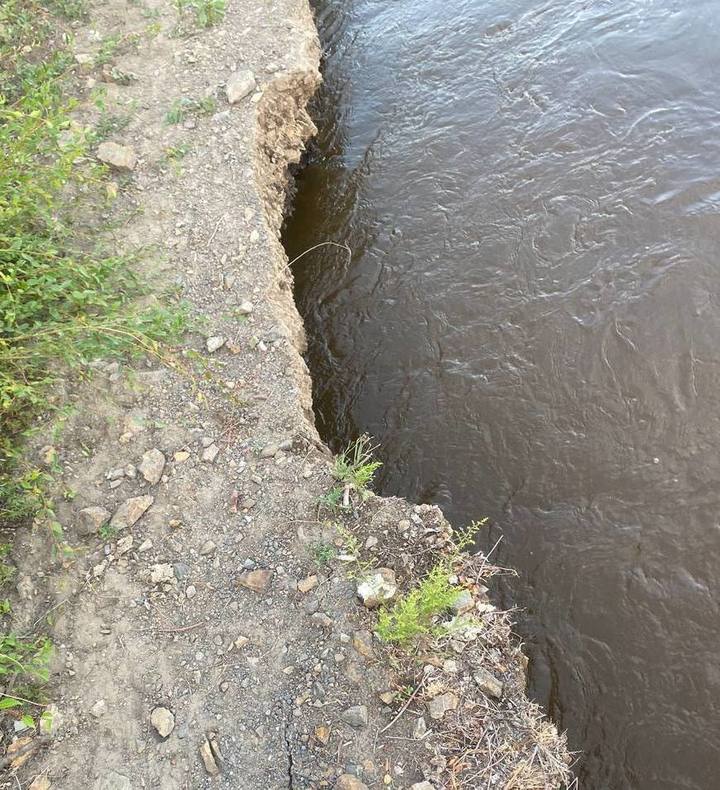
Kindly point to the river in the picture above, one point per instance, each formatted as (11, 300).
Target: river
(529, 325)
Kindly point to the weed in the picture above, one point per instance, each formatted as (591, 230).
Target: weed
(180, 109)
(464, 539)
(414, 614)
(108, 47)
(63, 302)
(7, 571)
(107, 532)
(110, 124)
(175, 153)
(355, 467)
(323, 553)
(354, 470)
(333, 500)
(28, 662)
(207, 12)
(5, 606)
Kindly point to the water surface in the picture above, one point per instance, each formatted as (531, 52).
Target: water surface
(529, 324)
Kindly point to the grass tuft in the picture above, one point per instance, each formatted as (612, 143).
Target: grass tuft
(354, 470)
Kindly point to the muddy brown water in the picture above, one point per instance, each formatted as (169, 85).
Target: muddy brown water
(529, 324)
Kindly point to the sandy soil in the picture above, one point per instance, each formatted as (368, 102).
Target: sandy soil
(179, 663)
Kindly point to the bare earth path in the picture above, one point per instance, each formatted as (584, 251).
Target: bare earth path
(199, 642)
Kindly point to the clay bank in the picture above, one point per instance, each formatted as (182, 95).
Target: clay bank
(232, 607)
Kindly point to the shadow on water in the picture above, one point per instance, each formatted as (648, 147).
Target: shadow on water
(530, 326)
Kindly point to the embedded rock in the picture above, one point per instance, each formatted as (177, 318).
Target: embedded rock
(377, 587)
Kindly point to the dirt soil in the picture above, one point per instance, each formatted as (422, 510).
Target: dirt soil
(210, 635)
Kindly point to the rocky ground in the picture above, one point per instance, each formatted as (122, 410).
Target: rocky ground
(207, 628)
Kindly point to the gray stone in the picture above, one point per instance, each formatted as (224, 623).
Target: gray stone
(377, 587)
(91, 519)
(210, 454)
(362, 642)
(245, 307)
(215, 343)
(440, 705)
(163, 721)
(257, 581)
(99, 708)
(350, 782)
(114, 781)
(488, 683)
(420, 729)
(152, 466)
(162, 573)
(207, 548)
(356, 716)
(120, 157)
(463, 603)
(208, 758)
(239, 85)
(130, 511)
(270, 450)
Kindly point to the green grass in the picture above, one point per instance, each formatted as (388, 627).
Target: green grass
(355, 466)
(323, 553)
(207, 12)
(353, 470)
(181, 109)
(413, 615)
(64, 300)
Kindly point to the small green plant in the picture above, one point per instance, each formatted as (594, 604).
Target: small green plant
(108, 47)
(207, 12)
(333, 500)
(354, 470)
(28, 662)
(355, 467)
(110, 124)
(107, 532)
(414, 614)
(175, 153)
(7, 571)
(464, 539)
(323, 553)
(180, 109)
(63, 300)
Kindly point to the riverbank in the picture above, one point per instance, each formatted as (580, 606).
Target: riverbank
(204, 611)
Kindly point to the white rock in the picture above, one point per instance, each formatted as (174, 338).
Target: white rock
(215, 343)
(488, 683)
(440, 705)
(99, 708)
(130, 511)
(152, 466)
(210, 453)
(377, 587)
(163, 721)
(162, 573)
(124, 545)
(121, 157)
(239, 85)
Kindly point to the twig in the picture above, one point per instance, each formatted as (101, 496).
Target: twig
(317, 246)
(404, 707)
(178, 630)
(22, 699)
